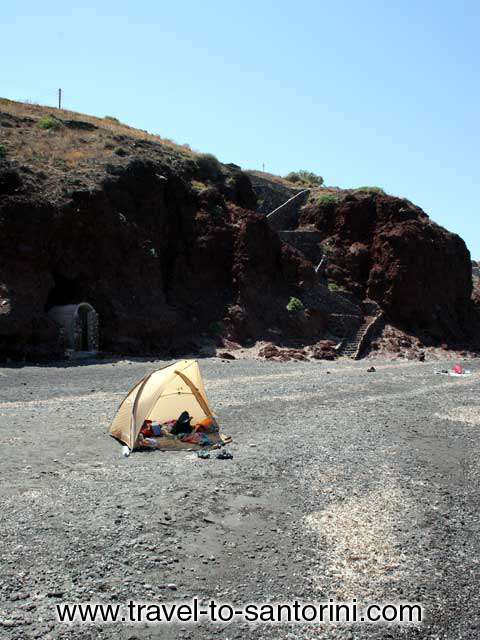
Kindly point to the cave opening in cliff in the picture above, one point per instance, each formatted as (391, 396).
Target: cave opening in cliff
(79, 325)
(65, 291)
(68, 305)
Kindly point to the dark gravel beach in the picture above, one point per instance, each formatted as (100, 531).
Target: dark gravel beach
(343, 484)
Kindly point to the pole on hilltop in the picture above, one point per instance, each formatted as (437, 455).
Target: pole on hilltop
(59, 98)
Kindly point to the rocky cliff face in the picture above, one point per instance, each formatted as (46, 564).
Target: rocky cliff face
(476, 302)
(476, 282)
(166, 245)
(167, 249)
(388, 250)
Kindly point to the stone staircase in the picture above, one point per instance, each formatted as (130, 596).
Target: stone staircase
(349, 347)
(286, 215)
(352, 323)
(343, 325)
(355, 346)
(345, 318)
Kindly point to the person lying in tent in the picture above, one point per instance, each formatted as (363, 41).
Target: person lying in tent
(182, 425)
(204, 433)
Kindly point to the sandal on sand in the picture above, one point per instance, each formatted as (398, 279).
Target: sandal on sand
(224, 455)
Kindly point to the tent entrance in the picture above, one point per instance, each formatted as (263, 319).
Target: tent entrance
(161, 397)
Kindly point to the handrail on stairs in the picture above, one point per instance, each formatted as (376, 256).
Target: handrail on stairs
(320, 264)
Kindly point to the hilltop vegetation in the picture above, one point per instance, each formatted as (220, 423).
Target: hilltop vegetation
(73, 147)
(304, 178)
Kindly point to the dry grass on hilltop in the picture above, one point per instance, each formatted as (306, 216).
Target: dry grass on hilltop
(63, 147)
(107, 123)
(273, 178)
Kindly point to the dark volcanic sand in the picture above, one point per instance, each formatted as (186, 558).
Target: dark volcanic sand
(352, 484)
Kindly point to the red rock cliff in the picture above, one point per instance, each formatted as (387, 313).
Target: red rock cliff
(388, 250)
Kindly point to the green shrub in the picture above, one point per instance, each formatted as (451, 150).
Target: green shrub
(3, 151)
(334, 287)
(326, 199)
(198, 185)
(327, 249)
(306, 178)
(371, 190)
(111, 119)
(209, 165)
(294, 304)
(48, 122)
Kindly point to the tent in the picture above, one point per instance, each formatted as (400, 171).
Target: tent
(161, 396)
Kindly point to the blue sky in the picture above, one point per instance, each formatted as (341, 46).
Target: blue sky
(363, 93)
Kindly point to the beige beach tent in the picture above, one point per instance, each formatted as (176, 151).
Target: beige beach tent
(161, 396)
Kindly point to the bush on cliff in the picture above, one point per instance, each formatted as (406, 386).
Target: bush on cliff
(305, 178)
(335, 288)
(294, 304)
(371, 190)
(326, 200)
(48, 122)
(209, 165)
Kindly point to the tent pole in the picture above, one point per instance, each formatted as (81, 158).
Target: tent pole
(196, 393)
